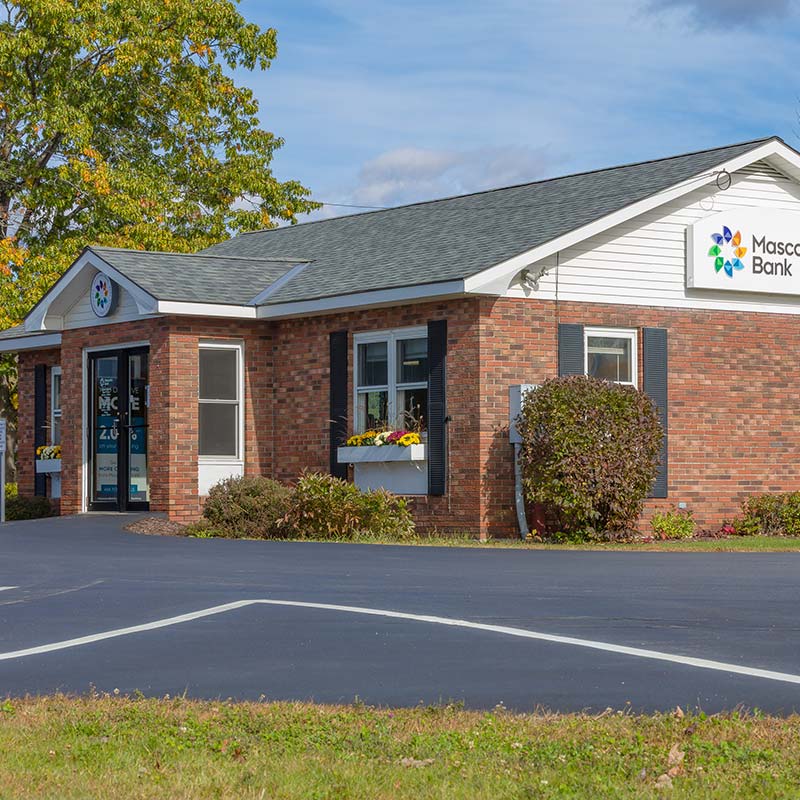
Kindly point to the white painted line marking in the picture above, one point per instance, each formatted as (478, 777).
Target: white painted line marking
(637, 652)
(6, 588)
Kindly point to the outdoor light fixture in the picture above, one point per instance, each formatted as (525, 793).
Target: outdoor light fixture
(530, 278)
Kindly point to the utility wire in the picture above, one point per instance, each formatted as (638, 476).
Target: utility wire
(723, 182)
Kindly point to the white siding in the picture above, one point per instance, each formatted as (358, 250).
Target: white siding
(80, 315)
(643, 261)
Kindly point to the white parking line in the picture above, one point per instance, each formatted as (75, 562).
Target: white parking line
(6, 588)
(637, 652)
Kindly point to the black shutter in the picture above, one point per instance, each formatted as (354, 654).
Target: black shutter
(338, 418)
(437, 407)
(654, 348)
(39, 421)
(570, 349)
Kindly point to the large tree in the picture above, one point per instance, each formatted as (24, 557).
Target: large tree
(120, 125)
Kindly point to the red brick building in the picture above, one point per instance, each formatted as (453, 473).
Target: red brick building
(160, 374)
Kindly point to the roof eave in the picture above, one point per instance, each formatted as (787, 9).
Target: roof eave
(27, 341)
(401, 295)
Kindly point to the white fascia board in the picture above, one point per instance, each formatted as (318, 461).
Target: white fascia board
(380, 297)
(496, 279)
(40, 341)
(35, 321)
(205, 309)
(278, 284)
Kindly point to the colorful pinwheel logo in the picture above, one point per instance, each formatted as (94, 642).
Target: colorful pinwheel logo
(727, 251)
(102, 295)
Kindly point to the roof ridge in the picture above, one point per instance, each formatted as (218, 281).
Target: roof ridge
(201, 254)
(524, 183)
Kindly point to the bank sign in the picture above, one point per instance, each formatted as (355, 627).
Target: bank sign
(747, 250)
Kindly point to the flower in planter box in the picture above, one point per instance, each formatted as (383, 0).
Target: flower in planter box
(402, 438)
(48, 451)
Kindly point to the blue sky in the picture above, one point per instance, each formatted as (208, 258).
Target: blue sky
(383, 103)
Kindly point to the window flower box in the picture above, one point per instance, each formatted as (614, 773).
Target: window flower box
(380, 454)
(45, 465)
(400, 470)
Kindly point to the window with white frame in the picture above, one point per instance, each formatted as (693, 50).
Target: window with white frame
(220, 418)
(55, 405)
(391, 379)
(610, 354)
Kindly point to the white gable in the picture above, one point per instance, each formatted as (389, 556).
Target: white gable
(80, 314)
(643, 261)
(66, 305)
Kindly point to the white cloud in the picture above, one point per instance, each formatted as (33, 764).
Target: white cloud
(409, 174)
(734, 13)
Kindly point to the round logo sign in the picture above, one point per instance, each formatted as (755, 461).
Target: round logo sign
(102, 295)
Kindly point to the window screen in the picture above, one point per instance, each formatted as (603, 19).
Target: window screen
(219, 402)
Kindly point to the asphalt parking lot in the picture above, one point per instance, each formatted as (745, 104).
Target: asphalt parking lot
(85, 605)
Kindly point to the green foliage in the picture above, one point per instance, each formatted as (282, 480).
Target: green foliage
(318, 507)
(120, 124)
(324, 507)
(21, 507)
(250, 506)
(11, 491)
(770, 515)
(589, 455)
(673, 524)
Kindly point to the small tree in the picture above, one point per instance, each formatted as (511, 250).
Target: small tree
(590, 454)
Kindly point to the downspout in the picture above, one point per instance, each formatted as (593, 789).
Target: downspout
(519, 495)
(516, 393)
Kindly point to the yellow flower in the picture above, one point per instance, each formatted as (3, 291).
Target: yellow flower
(408, 439)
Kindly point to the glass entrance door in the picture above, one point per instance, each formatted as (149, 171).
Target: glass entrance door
(118, 416)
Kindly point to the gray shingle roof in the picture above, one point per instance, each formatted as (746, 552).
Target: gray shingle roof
(456, 237)
(198, 277)
(19, 330)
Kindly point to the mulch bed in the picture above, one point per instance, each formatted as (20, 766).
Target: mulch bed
(156, 526)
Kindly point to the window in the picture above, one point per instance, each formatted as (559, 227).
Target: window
(611, 354)
(391, 379)
(220, 401)
(55, 405)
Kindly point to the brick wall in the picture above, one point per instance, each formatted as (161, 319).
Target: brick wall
(734, 425)
(301, 410)
(734, 416)
(177, 444)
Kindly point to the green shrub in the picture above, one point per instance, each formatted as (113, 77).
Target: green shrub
(589, 455)
(673, 524)
(20, 507)
(770, 515)
(324, 507)
(250, 507)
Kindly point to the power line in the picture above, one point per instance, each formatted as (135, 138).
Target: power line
(723, 182)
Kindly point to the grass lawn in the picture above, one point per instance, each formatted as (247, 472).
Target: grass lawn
(111, 747)
(733, 544)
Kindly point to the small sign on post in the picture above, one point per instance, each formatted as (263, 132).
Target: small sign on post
(2, 469)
